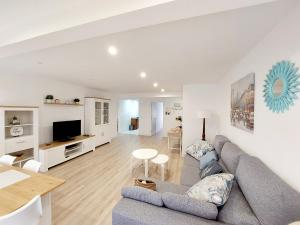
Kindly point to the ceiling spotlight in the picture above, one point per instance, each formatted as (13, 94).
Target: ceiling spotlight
(155, 84)
(112, 50)
(143, 75)
(162, 90)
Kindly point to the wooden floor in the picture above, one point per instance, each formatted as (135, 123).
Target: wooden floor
(94, 180)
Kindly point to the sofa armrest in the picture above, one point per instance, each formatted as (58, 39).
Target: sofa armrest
(143, 195)
(189, 205)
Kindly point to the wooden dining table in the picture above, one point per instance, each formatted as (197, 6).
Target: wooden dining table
(18, 194)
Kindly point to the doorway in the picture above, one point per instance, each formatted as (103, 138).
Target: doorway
(157, 118)
(128, 117)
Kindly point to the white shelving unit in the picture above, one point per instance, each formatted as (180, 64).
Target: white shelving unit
(25, 146)
(97, 120)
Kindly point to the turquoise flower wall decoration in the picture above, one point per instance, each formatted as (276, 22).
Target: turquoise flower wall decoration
(281, 86)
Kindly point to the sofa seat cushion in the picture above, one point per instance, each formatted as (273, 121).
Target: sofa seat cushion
(219, 141)
(230, 155)
(189, 175)
(132, 212)
(272, 200)
(183, 203)
(237, 211)
(190, 161)
(162, 186)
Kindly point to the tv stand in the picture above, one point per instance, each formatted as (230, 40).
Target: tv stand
(54, 153)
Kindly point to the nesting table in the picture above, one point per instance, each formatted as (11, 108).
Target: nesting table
(161, 160)
(145, 154)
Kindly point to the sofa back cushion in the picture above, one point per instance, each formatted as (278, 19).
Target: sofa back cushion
(237, 211)
(183, 203)
(230, 156)
(143, 195)
(273, 201)
(219, 141)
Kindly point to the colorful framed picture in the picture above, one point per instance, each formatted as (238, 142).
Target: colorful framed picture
(242, 103)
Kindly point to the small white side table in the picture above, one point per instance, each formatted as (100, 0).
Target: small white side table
(144, 154)
(161, 159)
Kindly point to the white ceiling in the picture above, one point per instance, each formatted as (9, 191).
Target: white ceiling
(195, 50)
(20, 20)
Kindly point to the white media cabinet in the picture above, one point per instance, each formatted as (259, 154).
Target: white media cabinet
(57, 152)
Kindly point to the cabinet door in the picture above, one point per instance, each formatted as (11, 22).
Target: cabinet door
(98, 113)
(105, 113)
(99, 135)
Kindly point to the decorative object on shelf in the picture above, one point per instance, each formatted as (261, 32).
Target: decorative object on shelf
(49, 99)
(145, 184)
(76, 100)
(15, 121)
(177, 106)
(179, 119)
(16, 131)
(57, 101)
(168, 111)
(281, 86)
(204, 115)
(242, 103)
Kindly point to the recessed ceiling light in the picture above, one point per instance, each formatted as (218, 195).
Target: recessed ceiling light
(143, 75)
(155, 84)
(112, 50)
(162, 90)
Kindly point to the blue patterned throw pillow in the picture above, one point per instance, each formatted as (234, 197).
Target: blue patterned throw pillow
(208, 158)
(198, 149)
(212, 168)
(214, 189)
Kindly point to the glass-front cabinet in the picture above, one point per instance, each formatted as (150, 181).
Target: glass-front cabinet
(97, 119)
(98, 113)
(105, 113)
(101, 112)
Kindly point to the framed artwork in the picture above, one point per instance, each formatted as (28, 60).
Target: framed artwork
(242, 103)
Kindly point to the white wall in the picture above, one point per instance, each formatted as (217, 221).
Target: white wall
(170, 120)
(197, 97)
(156, 117)
(31, 91)
(128, 109)
(275, 135)
(145, 117)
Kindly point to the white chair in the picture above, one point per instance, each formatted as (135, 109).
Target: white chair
(32, 165)
(7, 159)
(29, 214)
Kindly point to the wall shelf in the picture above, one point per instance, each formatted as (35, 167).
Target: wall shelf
(72, 104)
(20, 125)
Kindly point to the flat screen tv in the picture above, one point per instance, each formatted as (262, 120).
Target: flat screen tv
(66, 130)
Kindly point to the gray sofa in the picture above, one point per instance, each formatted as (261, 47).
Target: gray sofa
(258, 196)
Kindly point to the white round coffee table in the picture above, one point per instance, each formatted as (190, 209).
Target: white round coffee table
(161, 160)
(145, 154)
